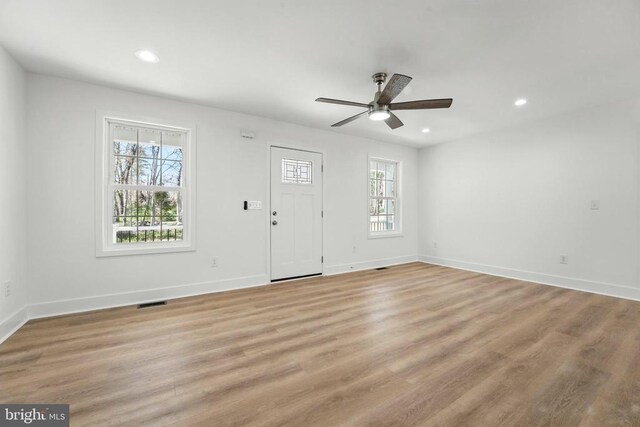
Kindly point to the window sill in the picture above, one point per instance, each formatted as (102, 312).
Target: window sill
(385, 235)
(140, 250)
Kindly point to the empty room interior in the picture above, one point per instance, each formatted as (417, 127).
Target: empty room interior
(320, 213)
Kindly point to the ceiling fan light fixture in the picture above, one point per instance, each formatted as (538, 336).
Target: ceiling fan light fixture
(379, 115)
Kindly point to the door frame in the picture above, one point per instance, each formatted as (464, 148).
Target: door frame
(267, 216)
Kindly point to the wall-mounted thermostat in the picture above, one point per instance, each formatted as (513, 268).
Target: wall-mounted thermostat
(252, 205)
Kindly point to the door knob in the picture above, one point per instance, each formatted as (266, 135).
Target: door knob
(274, 213)
(274, 222)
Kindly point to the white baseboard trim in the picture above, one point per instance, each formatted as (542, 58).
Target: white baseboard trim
(78, 305)
(601, 288)
(12, 323)
(366, 265)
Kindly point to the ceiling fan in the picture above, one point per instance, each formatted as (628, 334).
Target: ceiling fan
(381, 107)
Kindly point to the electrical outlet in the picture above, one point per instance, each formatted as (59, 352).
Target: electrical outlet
(435, 245)
(564, 259)
(214, 262)
(354, 250)
(7, 288)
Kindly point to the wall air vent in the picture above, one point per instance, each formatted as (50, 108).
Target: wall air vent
(152, 304)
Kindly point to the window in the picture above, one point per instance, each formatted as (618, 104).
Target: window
(384, 201)
(145, 187)
(296, 171)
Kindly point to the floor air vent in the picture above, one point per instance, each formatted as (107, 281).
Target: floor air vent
(152, 304)
(382, 268)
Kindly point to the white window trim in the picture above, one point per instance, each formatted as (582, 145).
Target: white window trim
(398, 214)
(103, 237)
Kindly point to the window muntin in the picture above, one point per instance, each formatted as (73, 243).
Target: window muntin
(384, 215)
(146, 190)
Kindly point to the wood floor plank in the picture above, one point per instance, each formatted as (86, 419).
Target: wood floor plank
(415, 344)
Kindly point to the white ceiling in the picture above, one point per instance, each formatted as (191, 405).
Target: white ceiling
(272, 58)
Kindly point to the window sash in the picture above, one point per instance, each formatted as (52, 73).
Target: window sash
(162, 132)
(138, 187)
(152, 226)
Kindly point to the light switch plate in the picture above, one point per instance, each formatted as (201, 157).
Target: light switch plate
(254, 205)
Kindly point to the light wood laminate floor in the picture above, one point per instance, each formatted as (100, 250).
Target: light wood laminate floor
(415, 344)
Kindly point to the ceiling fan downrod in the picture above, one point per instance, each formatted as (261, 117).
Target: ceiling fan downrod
(379, 79)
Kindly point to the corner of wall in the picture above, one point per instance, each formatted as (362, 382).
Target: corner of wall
(601, 288)
(11, 324)
(13, 165)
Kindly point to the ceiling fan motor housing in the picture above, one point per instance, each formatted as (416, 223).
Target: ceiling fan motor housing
(377, 107)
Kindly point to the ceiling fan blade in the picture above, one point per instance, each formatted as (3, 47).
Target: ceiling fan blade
(396, 83)
(341, 102)
(424, 104)
(350, 119)
(393, 121)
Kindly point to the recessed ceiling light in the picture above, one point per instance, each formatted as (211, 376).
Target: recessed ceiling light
(426, 130)
(520, 102)
(147, 56)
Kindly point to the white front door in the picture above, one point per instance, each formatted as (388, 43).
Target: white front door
(296, 213)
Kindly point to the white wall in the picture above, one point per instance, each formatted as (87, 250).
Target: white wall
(13, 202)
(64, 273)
(511, 202)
